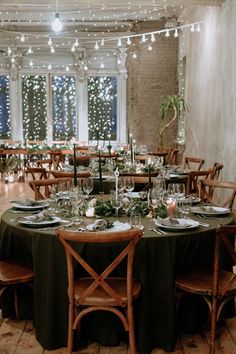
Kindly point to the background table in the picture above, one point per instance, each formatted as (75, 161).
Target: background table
(157, 259)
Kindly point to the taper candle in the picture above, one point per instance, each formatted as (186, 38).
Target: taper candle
(75, 167)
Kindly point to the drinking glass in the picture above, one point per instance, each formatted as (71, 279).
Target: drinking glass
(116, 201)
(121, 184)
(136, 221)
(129, 184)
(88, 185)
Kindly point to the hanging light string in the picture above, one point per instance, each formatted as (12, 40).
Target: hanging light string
(193, 26)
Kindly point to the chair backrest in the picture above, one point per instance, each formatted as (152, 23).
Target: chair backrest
(45, 163)
(42, 188)
(216, 168)
(225, 238)
(36, 172)
(207, 188)
(60, 174)
(194, 178)
(127, 240)
(193, 163)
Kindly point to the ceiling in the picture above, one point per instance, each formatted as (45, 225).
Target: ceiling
(87, 21)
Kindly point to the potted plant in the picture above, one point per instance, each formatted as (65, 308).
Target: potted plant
(7, 165)
(169, 104)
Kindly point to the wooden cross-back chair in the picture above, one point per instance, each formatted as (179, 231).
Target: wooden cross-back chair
(194, 178)
(193, 163)
(101, 291)
(207, 188)
(60, 174)
(216, 168)
(36, 172)
(216, 286)
(12, 274)
(42, 188)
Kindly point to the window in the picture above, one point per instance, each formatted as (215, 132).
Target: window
(5, 116)
(64, 107)
(34, 92)
(102, 108)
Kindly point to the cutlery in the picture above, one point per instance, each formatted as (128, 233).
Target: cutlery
(158, 232)
(55, 227)
(203, 224)
(23, 212)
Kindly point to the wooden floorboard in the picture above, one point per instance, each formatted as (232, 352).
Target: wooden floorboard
(18, 337)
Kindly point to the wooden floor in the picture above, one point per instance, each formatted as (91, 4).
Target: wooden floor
(18, 337)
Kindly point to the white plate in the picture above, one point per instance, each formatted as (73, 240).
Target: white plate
(183, 224)
(187, 200)
(30, 207)
(210, 210)
(134, 195)
(30, 221)
(117, 226)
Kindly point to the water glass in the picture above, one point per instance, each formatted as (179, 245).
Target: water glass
(136, 221)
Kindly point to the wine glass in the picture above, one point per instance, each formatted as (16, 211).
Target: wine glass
(121, 184)
(116, 201)
(88, 185)
(129, 184)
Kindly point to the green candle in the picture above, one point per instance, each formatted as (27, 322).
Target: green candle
(149, 175)
(75, 167)
(100, 172)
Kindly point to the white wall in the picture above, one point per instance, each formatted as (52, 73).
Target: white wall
(211, 87)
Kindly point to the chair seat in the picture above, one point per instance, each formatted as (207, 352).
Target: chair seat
(200, 282)
(13, 272)
(100, 297)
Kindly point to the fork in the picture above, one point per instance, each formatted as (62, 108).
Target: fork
(158, 232)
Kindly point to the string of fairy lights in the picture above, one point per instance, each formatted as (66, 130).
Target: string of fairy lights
(102, 94)
(102, 91)
(5, 112)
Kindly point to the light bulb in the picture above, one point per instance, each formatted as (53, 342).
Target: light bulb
(73, 48)
(67, 68)
(13, 60)
(128, 41)
(118, 61)
(22, 38)
(198, 28)
(52, 50)
(134, 55)
(96, 46)
(85, 67)
(119, 42)
(9, 51)
(56, 24)
(31, 63)
(50, 41)
(49, 66)
(102, 66)
(143, 38)
(153, 37)
(76, 42)
(167, 33)
(30, 51)
(192, 28)
(150, 47)
(176, 33)
(102, 41)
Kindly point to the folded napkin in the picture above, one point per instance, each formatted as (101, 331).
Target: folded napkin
(27, 202)
(38, 217)
(168, 221)
(99, 225)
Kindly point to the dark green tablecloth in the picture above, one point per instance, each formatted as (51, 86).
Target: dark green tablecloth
(157, 260)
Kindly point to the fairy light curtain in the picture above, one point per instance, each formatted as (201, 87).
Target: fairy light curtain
(64, 107)
(34, 95)
(5, 114)
(102, 108)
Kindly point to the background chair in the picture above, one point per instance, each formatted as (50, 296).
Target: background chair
(101, 291)
(60, 174)
(36, 172)
(13, 273)
(42, 188)
(216, 168)
(193, 163)
(216, 286)
(193, 179)
(207, 191)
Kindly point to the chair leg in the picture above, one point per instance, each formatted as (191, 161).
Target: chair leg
(131, 330)
(16, 304)
(213, 326)
(70, 329)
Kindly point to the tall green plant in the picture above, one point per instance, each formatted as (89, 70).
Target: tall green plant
(172, 103)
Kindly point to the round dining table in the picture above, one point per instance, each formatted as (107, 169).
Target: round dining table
(158, 258)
